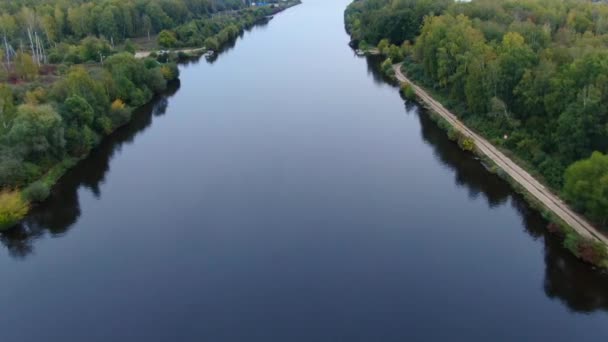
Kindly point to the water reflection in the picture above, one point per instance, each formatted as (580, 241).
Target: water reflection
(226, 47)
(577, 285)
(373, 69)
(566, 279)
(62, 209)
(57, 214)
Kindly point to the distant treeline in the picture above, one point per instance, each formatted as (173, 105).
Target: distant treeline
(72, 20)
(531, 75)
(214, 31)
(43, 124)
(59, 31)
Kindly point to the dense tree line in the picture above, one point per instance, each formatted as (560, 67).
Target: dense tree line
(68, 77)
(214, 31)
(370, 21)
(44, 120)
(41, 126)
(75, 31)
(72, 20)
(45, 128)
(531, 75)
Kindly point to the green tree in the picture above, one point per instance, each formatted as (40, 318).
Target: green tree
(212, 44)
(383, 46)
(7, 107)
(76, 110)
(167, 39)
(514, 58)
(25, 67)
(107, 23)
(79, 82)
(38, 132)
(12, 208)
(586, 186)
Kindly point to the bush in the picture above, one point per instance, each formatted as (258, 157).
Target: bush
(167, 39)
(119, 113)
(363, 45)
(387, 66)
(170, 71)
(156, 80)
(15, 172)
(408, 91)
(394, 52)
(36, 192)
(79, 141)
(212, 43)
(129, 46)
(467, 144)
(103, 124)
(13, 208)
(11, 173)
(383, 46)
(453, 134)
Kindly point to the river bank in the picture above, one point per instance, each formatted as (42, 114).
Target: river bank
(538, 195)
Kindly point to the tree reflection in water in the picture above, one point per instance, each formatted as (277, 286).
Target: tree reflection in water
(62, 209)
(578, 285)
(56, 215)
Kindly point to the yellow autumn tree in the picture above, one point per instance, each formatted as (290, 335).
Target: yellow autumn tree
(12, 208)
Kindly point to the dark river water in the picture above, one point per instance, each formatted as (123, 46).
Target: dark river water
(285, 192)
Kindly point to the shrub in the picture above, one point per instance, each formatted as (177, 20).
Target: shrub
(13, 208)
(394, 52)
(383, 46)
(212, 43)
(454, 134)
(167, 39)
(387, 66)
(79, 141)
(156, 80)
(103, 124)
(170, 71)
(129, 46)
(11, 170)
(119, 113)
(408, 91)
(467, 144)
(36, 192)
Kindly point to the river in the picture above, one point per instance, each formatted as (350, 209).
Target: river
(285, 192)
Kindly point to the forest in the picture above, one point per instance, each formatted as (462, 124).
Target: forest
(530, 75)
(68, 77)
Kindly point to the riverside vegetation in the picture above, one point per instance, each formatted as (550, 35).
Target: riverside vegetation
(529, 75)
(68, 77)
